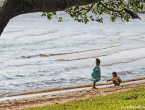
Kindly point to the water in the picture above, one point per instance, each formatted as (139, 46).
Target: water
(37, 54)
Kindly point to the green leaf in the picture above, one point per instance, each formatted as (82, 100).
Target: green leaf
(43, 14)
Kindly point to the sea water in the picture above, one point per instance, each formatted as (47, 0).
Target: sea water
(37, 54)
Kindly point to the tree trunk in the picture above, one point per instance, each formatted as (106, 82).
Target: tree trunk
(12, 8)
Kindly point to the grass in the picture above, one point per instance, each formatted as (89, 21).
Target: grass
(132, 99)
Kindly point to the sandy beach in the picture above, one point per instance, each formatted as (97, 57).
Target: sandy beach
(43, 63)
(19, 104)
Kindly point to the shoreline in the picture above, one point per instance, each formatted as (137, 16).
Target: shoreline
(18, 104)
(66, 88)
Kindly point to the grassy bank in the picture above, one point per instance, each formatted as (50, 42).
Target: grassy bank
(132, 99)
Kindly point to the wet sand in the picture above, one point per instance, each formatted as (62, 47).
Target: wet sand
(42, 99)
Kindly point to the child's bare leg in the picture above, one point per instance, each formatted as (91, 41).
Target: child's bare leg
(93, 87)
(115, 83)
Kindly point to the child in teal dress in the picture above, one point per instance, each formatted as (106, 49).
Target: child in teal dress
(96, 74)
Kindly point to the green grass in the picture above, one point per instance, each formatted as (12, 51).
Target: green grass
(130, 100)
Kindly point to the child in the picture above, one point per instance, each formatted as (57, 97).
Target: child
(96, 74)
(116, 80)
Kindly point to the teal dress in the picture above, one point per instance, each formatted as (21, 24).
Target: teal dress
(95, 76)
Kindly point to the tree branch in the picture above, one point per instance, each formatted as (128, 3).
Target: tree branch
(12, 8)
(110, 9)
(87, 9)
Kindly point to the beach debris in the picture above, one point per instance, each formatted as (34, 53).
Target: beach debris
(25, 56)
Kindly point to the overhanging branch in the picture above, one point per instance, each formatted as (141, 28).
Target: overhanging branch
(110, 9)
(12, 8)
(82, 9)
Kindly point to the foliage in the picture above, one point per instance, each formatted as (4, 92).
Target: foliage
(93, 12)
(133, 98)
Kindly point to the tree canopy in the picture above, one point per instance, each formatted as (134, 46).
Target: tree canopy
(115, 8)
(80, 10)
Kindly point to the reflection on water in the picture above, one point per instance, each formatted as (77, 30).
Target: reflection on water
(37, 54)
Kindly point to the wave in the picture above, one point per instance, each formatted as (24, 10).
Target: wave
(84, 57)
(117, 62)
(125, 61)
(70, 52)
(43, 33)
(11, 31)
(66, 87)
(87, 57)
(142, 36)
(78, 34)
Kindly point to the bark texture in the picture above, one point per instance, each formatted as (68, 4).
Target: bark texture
(12, 8)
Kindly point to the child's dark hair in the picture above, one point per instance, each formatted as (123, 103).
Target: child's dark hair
(97, 60)
(114, 74)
